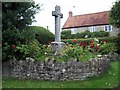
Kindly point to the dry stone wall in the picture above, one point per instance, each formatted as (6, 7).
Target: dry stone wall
(54, 70)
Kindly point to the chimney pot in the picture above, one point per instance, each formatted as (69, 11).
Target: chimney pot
(70, 13)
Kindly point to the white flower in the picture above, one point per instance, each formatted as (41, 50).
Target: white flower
(95, 39)
(28, 74)
(98, 44)
(99, 55)
(63, 70)
(45, 53)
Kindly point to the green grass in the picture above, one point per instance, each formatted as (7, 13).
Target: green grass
(107, 80)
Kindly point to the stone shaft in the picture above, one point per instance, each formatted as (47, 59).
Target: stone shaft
(58, 16)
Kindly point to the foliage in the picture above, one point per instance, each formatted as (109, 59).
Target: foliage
(99, 34)
(118, 43)
(112, 39)
(83, 50)
(107, 48)
(77, 52)
(15, 37)
(43, 35)
(115, 15)
(83, 34)
(66, 34)
(112, 44)
(18, 15)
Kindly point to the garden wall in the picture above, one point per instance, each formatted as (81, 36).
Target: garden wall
(54, 70)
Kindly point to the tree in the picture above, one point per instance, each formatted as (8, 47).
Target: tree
(18, 15)
(115, 21)
(115, 15)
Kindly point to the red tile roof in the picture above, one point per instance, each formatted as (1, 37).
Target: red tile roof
(100, 18)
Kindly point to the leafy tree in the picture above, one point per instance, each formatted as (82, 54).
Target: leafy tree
(18, 15)
(115, 15)
(115, 21)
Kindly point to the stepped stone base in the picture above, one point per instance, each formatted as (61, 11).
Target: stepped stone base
(56, 47)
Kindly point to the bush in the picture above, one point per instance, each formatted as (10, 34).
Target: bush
(66, 34)
(33, 49)
(83, 34)
(99, 34)
(43, 35)
(12, 38)
(107, 48)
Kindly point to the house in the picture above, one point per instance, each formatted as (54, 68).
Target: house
(93, 22)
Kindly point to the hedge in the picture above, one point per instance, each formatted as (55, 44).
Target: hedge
(67, 34)
(43, 35)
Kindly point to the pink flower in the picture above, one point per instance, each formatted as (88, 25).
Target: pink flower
(105, 41)
(91, 41)
(92, 45)
(74, 41)
(13, 46)
(85, 45)
(81, 43)
(96, 47)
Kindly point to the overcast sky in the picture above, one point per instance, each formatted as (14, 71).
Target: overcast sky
(44, 18)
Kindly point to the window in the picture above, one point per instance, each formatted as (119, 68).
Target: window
(92, 28)
(74, 31)
(108, 28)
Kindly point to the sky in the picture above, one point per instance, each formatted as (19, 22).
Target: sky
(45, 19)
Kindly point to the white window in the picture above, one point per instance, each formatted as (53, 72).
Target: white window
(74, 31)
(92, 28)
(108, 28)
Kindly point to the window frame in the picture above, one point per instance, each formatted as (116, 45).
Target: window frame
(92, 29)
(73, 30)
(108, 28)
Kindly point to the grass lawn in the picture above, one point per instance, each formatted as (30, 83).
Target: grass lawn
(107, 80)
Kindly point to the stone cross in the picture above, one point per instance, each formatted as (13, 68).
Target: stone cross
(58, 15)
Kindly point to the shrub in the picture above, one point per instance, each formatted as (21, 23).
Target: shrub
(12, 38)
(43, 35)
(83, 34)
(107, 48)
(99, 34)
(115, 40)
(33, 49)
(66, 34)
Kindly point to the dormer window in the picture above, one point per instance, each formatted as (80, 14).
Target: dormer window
(108, 28)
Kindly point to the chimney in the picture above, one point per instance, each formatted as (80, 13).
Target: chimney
(70, 13)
